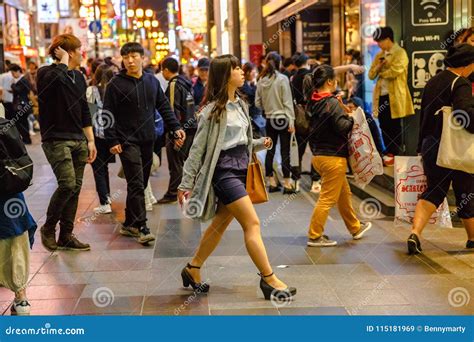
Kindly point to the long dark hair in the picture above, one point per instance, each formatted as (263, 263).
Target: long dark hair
(272, 64)
(103, 74)
(321, 74)
(217, 84)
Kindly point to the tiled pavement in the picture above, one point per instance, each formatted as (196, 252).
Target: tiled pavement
(368, 277)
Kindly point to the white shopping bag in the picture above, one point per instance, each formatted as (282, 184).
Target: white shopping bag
(364, 158)
(294, 153)
(410, 182)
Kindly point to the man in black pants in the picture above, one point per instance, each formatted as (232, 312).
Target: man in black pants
(296, 82)
(65, 123)
(131, 99)
(180, 95)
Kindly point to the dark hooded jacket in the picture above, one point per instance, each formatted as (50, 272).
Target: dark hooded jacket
(330, 126)
(183, 102)
(130, 104)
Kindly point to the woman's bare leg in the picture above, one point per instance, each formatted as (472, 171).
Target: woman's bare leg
(20, 295)
(210, 240)
(469, 225)
(244, 211)
(423, 212)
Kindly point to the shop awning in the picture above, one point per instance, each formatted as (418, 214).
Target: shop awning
(289, 10)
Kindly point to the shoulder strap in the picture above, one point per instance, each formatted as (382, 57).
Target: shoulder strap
(454, 82)
(172, 89)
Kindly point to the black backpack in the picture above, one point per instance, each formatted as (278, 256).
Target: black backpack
(16, 166)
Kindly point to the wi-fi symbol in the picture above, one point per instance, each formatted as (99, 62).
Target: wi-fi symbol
(430, 6)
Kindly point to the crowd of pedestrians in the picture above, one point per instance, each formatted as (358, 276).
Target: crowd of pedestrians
(210, 124)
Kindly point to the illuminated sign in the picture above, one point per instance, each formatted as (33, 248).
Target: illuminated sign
(193, 15)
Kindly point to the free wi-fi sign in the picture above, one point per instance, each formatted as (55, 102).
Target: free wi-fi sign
(429, 12)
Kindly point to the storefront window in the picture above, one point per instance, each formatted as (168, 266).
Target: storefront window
(372, 16)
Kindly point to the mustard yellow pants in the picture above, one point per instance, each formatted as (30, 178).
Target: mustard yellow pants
(335, 190)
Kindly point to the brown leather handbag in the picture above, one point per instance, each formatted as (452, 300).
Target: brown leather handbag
(255, 182)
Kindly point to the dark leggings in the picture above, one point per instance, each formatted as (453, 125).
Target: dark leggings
(278, 128)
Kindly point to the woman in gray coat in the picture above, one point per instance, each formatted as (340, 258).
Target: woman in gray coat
(214, 176)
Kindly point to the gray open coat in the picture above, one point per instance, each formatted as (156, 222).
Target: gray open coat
(199, 167)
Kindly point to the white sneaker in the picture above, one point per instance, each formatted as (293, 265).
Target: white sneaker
(21, 307)
(109, 200)
(149, 207)
(103, 209)
(316, 187)
(153, 200)
(297, 186)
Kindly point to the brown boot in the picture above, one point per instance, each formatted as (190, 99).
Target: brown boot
(48, 238)
(72, 243)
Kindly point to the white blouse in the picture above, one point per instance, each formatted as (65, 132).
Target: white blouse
(237, 126)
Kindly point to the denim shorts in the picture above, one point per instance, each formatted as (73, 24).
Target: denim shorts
(230, 175)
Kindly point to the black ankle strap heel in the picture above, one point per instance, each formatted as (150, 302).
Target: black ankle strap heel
(269, 291)
(189, 281)
(191, 266)
(265, 276)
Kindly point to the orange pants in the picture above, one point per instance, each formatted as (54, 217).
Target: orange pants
(334, 190)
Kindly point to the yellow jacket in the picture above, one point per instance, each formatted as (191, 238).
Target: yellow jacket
(395, 71)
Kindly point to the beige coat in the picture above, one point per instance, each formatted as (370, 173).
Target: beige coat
(395, 71)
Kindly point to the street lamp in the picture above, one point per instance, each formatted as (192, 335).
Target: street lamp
(139, 13)
(149, 13)
(154, 23)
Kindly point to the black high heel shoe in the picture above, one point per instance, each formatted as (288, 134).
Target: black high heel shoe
(269, 291)
(189, 281)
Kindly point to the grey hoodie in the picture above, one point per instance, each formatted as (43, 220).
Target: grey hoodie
(275, 98)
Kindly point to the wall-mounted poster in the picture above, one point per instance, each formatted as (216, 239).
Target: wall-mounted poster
(48, 11)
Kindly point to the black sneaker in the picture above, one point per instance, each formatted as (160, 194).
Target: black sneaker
(414, 245)
(130, 231)
(145, 236)
(71, 243)
(168, 200)
(48, 239)
(470, 244)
